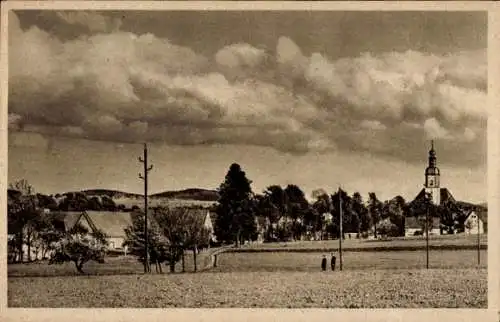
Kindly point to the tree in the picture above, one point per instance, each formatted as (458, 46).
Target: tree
(235, 208)
(157, 243)
(79, 246)
(361, 211)
(22, 211)
(387, 228)
(174, 226)
(375, 210)
(321, 206)
(394, 209)
(297, 207)
(350, 221)
(197, 233)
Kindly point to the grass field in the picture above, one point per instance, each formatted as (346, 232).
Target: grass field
(392, 279)
(348, 289)
(398, 242)
(310, 262)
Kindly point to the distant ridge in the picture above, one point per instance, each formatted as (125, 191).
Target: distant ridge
(190, 194)
(186, 194)
(111, 193)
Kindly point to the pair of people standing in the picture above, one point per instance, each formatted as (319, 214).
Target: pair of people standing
(332, 262)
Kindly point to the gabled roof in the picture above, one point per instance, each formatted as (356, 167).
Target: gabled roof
(64, 220)
(445, 196)
(113, 224)
(482, 214)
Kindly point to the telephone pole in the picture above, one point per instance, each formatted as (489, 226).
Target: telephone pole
(428, 203)
(144, 160)
(340, 226)
(478, 242)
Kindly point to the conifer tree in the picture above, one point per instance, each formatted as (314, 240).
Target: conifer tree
(235, 208)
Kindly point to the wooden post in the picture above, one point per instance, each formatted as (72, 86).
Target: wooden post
(427, 232)
(341, 231)
(478, 242)
(144, 160)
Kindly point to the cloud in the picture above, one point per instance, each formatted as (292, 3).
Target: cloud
(124, 87)
(94, 21)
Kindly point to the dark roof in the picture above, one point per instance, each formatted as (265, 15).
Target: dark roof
(113, 224)
(64, 220)
(445, 196)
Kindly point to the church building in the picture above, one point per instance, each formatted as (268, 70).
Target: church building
(438, 195)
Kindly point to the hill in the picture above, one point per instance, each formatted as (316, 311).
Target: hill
(189, 194)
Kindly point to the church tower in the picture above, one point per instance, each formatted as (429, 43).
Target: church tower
(432, 177)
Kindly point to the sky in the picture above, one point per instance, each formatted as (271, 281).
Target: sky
(317, 99)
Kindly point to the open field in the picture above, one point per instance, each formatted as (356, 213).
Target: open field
(310, 262)
(440, 241)
(433, 288)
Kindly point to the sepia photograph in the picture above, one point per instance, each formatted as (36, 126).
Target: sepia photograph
(247, 159)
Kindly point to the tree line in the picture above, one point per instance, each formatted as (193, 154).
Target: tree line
(288, 215)
(277, 214)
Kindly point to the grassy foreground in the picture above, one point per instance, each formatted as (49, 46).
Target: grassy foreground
(433, 288)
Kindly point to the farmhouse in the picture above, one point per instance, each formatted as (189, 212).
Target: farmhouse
(476, 221)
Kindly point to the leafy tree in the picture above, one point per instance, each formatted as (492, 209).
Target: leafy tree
(321, 206)
(108, 203)
(387, 228)
(235, 208)
(94, 204)
(297, 206)
(197, 233)
(157, 244)
(350, 222)
(451, 216)
(79, 246)
(22, 213)
(278, 198)
(394, 209)
(361, 211)
(375, 207)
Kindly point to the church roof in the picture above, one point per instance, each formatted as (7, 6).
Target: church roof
(445, 196)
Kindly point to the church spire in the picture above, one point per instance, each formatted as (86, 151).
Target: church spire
(432, 156)
(432, 171)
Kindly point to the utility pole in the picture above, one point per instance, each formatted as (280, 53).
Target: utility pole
(478, 243)
(341, 232)
(144, 160)
(428, 204)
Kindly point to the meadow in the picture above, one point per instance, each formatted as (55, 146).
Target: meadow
(311, 262)
(435, 288)
(460, 241)
(370, 279)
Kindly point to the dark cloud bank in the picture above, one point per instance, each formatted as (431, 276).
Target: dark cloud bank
(124, 87)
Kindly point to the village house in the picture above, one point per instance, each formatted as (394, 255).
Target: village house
(476, 222)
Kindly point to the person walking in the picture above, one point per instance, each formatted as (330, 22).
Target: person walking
(333, 261)
(323, 263)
